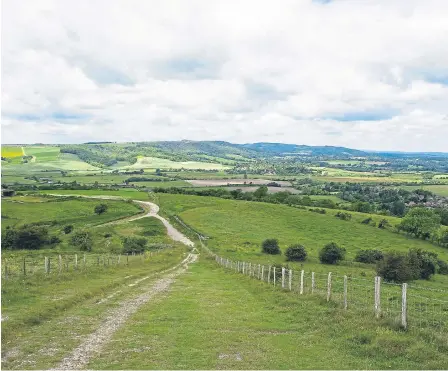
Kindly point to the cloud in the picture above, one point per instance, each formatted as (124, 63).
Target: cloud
(365, 74)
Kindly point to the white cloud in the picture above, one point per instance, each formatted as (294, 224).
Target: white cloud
(364, 74)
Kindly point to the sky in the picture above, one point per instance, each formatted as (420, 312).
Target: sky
(367, 74)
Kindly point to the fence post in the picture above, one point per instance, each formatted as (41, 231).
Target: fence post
(244, 267)
(24, 266)
(329, 287)
(76, 261)
(313, 282)
(269, 275)
(345, 292)
(84, 261)
(302, 274)
(283, 278)
(259, 271)
(250, 269)
(60, 263)
(377, 296)
(6, 269)
(290, 280)
(262, 272)
(274, 276)
(404, 321)
(119, 258)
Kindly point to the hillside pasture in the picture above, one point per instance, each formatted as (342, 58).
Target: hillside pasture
(162, 163)
(20, 210)
(43, 154)
(239, 227)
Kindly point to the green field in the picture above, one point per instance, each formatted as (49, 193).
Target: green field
(237, 228)
(43, 154)
(441, 190)
(79, 212)
(161, 163)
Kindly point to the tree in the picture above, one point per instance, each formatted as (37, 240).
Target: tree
(270, 246)
(398, 208)
(82, 240)
(261, 192)
(134, 245)
(331, 253)
(158, 172)
(100, 209)
(296, 253)
(420, 222)
(68, 229)
(443, 239)
(383, 224)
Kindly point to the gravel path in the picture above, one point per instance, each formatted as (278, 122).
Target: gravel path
(95, 342)
(151, 209)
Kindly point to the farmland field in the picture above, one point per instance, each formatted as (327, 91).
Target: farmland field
(161, 163)
(43, 154)
(12, 151)
(233, 181)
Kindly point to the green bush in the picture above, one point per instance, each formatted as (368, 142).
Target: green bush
(68, 229)
(29, 237)
(82, 240)
(343, 216)
(416, 264)
(134, 245)
(442, 267)
(100, 209)
(369, 256)
(331, 253)
(295, 253)
(270, 246)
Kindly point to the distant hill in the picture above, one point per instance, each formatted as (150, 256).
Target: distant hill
(281, 149)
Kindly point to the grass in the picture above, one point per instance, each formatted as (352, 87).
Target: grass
(226, 321)
(79, 212)
(128, 193)
(44, 153)
(161, 163)
(12, 151)
(47, 318)
(237, 228)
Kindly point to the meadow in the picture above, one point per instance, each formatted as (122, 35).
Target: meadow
(161, 163)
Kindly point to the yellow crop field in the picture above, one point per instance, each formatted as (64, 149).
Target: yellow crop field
(12, 151)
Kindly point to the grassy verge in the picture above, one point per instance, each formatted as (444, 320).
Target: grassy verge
(226, 321)
(30, 303)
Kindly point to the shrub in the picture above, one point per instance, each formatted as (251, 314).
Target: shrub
(54, 240)
(343, 216)
(82, 240)
(107, 235)
(270, 246)
(30, 237)
(278, 272)
(442, 267)
(369, 256)
(68, 229)
(367, 221)
(331, 253)
(100, 209)
(295, 253)
(134, 245)
(416, 264)
(395, 267)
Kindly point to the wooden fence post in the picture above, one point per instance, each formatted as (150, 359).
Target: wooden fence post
(404, 319)
(290, 280)
(262, 272)
(274, 277)
(313, 282)
(76, 261)
(84, 261)
(6, 269)
(127, 259)
(119, 258)
(329, 287)
(302, 274)
(283, 278)
(24, 266)
(269, 275)
(345, 292)
(259, 271)
(377, 296)
(244, 267)
(60, 263)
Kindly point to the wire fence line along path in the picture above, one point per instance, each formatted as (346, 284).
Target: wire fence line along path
(14, 267)
(404, 305)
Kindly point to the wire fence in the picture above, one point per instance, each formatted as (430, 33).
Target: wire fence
(403, 305)
(20, 266)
